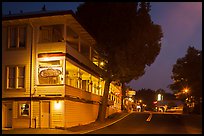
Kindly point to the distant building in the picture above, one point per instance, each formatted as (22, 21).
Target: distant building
(51, 73)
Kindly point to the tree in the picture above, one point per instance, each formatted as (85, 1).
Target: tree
(169, 96)
(187, 74)
(125, 36)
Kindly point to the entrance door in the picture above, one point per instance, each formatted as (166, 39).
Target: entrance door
(3, 116)
(8, 115)
(45, 116)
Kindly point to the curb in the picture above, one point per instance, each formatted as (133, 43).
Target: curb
(88, 131)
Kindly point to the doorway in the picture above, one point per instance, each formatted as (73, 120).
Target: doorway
(45, 114)
(7, 115)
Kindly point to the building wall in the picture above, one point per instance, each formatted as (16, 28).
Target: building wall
(57, 114)
(36, 114)
(17, 121)
(16, 57)
(71, 113)
(78, 113)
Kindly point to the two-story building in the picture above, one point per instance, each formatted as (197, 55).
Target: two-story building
(51, 73)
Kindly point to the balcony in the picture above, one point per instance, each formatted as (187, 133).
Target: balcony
(51, 47)
(110, 102)
(82, 60)
(54, 90)
(78, 93)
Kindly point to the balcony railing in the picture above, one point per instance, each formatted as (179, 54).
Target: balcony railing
(42, 90)
(81, 94)
(52, 47)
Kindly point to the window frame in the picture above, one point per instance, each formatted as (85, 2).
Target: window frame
(16, 77)
(17, 36)
(20, 77)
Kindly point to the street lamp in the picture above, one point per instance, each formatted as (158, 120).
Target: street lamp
(186, 90)
(159, 97)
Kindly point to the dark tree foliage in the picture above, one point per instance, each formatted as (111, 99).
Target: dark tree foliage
(169, 96)
(125, 36)
(147, 96)
(187, 72)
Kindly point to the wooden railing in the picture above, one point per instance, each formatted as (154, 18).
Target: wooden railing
(53, 90)
(76, 92)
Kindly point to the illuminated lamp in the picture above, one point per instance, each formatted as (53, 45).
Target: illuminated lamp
(155, 102)
(57, 105)
(102, 63)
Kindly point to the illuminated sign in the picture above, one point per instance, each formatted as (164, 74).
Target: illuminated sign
(159, 97)
(130, 93)
(50, 72)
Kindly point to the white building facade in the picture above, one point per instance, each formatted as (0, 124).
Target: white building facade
(51, 75)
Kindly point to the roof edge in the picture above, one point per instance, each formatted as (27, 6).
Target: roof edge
(36, 14)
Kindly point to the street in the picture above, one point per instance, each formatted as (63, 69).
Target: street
(154, 123)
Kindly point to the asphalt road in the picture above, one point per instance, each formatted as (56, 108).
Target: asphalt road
(154, 123)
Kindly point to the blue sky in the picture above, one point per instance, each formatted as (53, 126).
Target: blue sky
(181, 24)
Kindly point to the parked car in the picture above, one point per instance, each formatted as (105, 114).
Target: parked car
(175, 109)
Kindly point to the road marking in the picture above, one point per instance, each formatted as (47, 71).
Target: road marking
(150, 117)
(105, 125)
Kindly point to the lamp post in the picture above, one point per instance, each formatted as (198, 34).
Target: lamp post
(159, 101)
(186, 91)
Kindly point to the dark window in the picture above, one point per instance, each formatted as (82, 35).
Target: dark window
(17, 37)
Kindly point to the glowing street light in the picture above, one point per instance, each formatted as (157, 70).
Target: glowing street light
(186, 90)
(159, 97)
(102, 63)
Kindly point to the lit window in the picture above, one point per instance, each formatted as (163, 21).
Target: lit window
(50, 72)
(17, 37)
(15, 77)
(24, 109)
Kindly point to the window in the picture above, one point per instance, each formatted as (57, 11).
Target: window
(11, 78)
(24, 109)
(51, 33)
(17, 37)
(15, 77)
(21, 77)
(50, 72)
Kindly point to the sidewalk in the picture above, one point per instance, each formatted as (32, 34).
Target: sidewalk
(72, 130)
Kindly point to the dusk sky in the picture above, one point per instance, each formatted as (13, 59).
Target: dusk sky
(181, 24)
